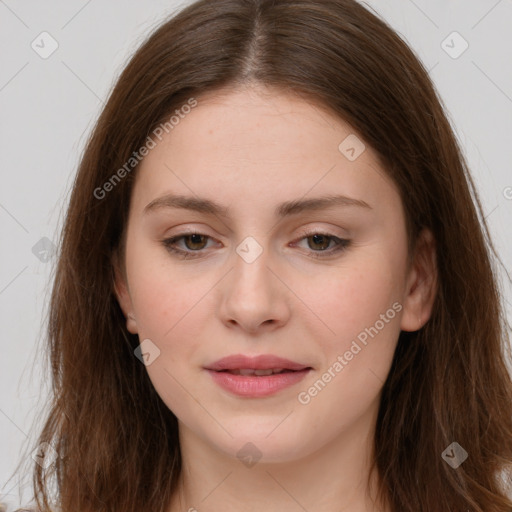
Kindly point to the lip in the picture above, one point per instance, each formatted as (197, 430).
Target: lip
(261, 362)
(251, 386)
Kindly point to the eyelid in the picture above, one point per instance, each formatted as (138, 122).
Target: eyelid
(342, 243)
(319, 231)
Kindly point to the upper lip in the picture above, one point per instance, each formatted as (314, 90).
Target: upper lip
(261, 362)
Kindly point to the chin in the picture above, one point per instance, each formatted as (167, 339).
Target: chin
(251, 444)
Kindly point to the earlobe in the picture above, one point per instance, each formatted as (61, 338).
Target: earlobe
(421, 286)
(123, 296)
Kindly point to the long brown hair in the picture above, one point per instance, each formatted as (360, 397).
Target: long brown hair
(449, 382)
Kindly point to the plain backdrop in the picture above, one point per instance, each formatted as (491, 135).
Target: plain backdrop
(49, 104)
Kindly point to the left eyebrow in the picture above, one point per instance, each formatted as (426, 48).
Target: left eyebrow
(296, 206)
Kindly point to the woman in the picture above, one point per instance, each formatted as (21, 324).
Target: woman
(274, 289)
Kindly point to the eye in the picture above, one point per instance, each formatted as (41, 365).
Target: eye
(196, 244)
(318, 243)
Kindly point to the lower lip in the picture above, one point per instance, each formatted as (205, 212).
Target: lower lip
(253, 386)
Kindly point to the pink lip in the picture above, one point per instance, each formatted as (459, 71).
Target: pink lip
(252, 386)
(262, 362)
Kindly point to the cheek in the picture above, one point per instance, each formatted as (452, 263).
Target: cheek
(357, 295)
(165, 299)
(363, 310)
(169, 309)
(362, 307)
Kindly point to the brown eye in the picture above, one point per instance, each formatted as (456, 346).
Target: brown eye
(195, 241)
(193, 244)
(320, 242)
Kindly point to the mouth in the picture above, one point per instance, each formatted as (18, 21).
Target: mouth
(260, 373)
(255, 377)
(265, 364)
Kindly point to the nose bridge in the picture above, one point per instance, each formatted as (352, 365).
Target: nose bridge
(251, 260)
(250, 250)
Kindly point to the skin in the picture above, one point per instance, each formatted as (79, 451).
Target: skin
(250, 149)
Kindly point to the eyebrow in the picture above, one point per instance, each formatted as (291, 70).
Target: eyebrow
(296, 206)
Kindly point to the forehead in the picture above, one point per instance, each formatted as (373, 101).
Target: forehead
(260, 145)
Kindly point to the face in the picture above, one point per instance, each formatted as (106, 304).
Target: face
(326, 286)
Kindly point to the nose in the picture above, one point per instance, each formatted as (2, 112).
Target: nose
(253, 295)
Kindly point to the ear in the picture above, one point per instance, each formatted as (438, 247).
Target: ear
(122, 293)
(421, 284)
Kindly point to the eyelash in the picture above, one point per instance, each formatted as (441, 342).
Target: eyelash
(169, 244)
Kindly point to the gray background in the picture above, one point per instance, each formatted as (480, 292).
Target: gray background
(48, 106)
